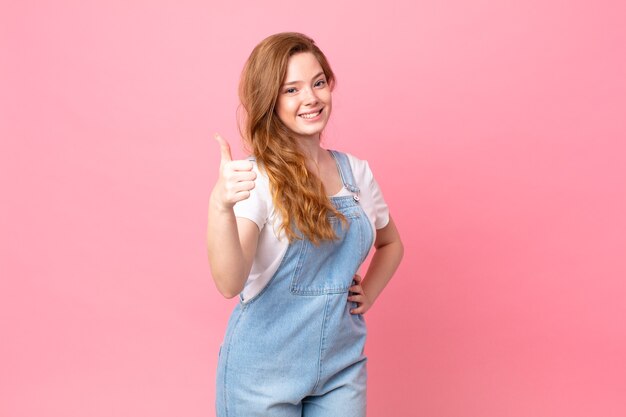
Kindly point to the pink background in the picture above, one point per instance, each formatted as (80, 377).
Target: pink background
(496, 130)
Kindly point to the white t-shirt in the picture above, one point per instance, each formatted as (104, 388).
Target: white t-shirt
(271, 248)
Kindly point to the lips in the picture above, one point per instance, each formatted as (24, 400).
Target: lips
(311, 115)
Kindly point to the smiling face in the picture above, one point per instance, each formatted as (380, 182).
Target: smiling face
(304, 100)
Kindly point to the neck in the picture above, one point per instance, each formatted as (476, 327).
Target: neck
(311, 148)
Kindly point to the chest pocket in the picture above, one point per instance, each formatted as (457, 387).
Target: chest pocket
(330, 267)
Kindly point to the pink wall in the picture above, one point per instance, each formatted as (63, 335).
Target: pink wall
(496, 130)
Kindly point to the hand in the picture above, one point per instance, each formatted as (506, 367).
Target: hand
(357, 294)
(236, 178)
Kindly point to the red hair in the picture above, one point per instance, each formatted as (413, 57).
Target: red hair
(298, 194)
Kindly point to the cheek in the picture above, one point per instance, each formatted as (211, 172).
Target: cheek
(328, 103)
(285, 109)
(327, 98)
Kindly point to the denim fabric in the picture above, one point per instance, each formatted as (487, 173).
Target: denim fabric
(295, 349)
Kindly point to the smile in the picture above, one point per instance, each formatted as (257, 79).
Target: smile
(311, 115)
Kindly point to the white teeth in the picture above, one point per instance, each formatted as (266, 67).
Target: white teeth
(309, 115)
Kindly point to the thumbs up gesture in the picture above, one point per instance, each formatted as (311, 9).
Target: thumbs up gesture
(235, 180)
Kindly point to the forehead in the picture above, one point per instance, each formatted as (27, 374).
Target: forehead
(302, 67)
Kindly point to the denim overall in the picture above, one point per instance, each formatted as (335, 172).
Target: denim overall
(295, 349)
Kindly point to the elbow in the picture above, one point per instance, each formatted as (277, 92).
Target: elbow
(228, 295)
(395, 247)
(227, 291)
(225, 283)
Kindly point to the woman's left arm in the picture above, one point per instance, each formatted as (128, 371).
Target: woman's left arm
(389, 251)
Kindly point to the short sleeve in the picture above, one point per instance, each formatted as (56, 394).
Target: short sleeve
(380, 208)
(257, 206)
(372, 199)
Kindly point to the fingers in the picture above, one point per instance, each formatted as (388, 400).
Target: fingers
(357, 295)
(240, 195)
(224, 149)
(360, 302)
(236, 178)
(357, 298)
(227, 157)
(357, 279)
(237, 186)
(356, 289)
(359, 310)
(240, 165)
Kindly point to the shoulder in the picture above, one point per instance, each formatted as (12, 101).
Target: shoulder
(372, 197)
(360, 168)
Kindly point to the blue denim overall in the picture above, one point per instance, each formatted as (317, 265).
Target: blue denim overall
(295, 349)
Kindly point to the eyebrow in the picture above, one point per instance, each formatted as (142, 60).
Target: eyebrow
(296, 82)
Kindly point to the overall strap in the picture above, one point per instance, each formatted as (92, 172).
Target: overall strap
(346, 172)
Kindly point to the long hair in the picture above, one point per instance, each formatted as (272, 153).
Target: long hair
(298, 194)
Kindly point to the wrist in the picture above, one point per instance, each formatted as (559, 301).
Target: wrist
(219, 205)
(369, 294)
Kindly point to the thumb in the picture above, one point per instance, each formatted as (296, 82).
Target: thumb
(224, 147)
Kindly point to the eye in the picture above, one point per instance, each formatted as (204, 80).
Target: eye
(290, 90)
(320, 83)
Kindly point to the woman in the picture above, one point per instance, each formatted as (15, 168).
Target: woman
(287, 232)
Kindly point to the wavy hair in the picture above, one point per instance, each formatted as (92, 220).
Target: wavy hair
(298, 194)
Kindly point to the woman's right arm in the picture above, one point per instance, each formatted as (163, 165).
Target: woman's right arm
(231, 241)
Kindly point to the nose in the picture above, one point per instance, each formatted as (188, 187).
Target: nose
(309, 96)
